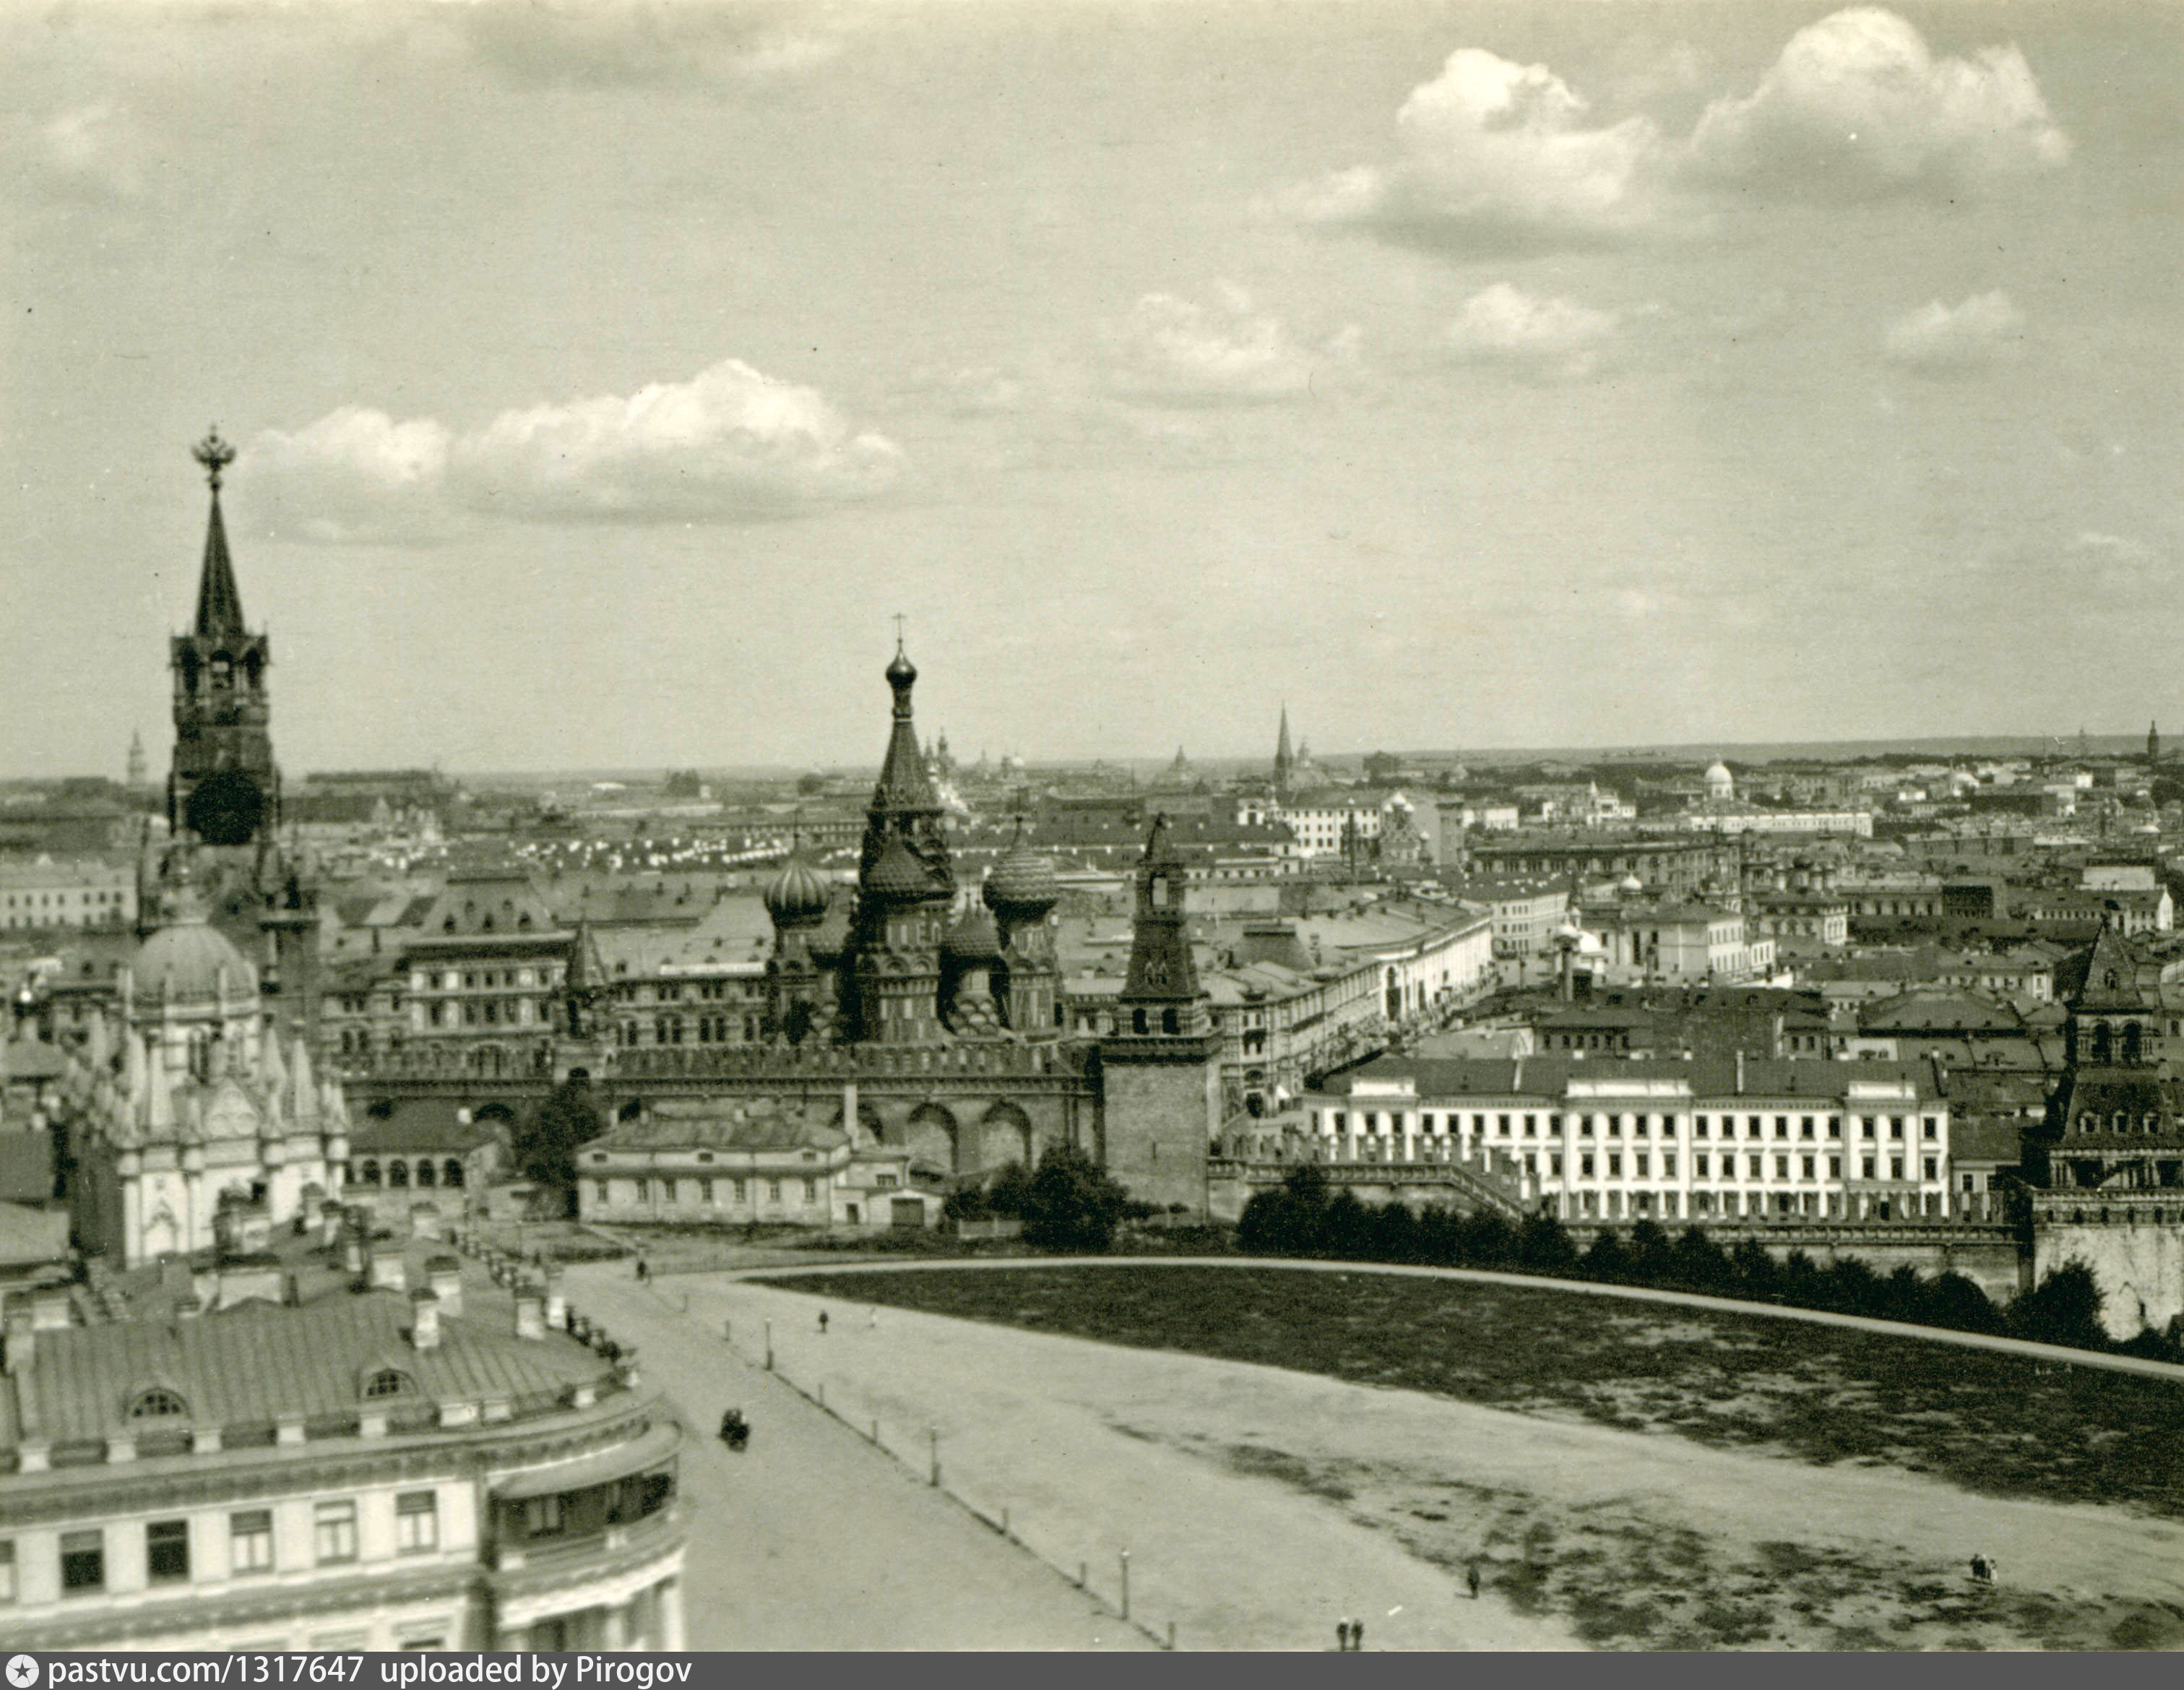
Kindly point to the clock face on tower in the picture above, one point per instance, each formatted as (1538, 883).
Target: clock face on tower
(226, 809)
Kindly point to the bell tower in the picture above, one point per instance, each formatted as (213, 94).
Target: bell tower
(1160, 1068)
(223, 789)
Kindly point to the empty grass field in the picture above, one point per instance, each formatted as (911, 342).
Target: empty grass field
(1993, 1424)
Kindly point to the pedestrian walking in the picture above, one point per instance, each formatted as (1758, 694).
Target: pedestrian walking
(1979, 1569)
(822, 1322)
(1357, 1636)
(873, 1322)
(1342, 1637)
(1993, 1570)
(642, 1275)
(1471, 1579)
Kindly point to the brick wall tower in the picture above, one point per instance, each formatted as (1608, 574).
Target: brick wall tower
(223, 789)
(1161, 1069)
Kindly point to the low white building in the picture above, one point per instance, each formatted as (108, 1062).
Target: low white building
(1741, 1139)
(726, 1162)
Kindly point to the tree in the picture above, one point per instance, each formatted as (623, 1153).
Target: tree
(1010, 1191)
(546, 1144)
(1544, 1246)
(2063, 1308)
(1955, 1301)
(1071, 1203)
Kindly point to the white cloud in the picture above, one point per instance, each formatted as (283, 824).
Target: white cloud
(729, 445)
(1555, 339)
(355, 474)
(1497, 154)
(1499, 157)
(1858, 103)
(1941, 339)
(1171, 351)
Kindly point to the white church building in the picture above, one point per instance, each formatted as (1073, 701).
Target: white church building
(187, 1103)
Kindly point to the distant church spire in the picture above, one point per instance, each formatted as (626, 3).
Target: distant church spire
(1284, 761)
(220, 603)
(2153, 744)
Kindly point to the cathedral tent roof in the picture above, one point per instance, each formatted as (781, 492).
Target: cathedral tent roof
(220, 602)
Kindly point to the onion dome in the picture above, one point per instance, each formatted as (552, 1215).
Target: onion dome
(797, 896)
(1630, 882)
(972, 938)
(1022, 882)
(901, 672)
(899, 874)
(190, 961)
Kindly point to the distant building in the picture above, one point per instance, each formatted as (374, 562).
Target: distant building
(70, 893)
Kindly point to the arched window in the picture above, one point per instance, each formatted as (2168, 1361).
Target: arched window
(159, 1403)
(398, 1174)
(388, 1382)
(369, 1173)
(1168, 1021)
(426, 1173)
(223, 672)
(2131, 1044)
(452, 1172)
(1137, 1021)
(2100, 1041)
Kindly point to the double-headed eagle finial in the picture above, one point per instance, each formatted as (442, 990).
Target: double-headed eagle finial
(215, 453)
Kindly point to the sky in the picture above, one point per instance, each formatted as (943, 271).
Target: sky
(608, 378)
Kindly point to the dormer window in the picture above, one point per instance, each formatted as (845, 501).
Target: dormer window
(159, 1403)
(388, 1382)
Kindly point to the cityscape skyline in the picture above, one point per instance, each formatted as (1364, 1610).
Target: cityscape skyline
(1468, 376)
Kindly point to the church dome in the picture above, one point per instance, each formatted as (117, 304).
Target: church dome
(190, 961)
(796, 896)
(972, 938)
(1023, 881)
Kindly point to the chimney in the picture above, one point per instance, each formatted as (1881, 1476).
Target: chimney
(1740, 1074)
(557, 1303)
(444, 1273)
(387, 1271)
(530, 1315)
(50, 1311)
(850, 1109)
(425, 1320)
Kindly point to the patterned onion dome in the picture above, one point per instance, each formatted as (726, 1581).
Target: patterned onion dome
(972, 938)
(899, 874)
(1024, 881)
(190, 961)
(796, 896)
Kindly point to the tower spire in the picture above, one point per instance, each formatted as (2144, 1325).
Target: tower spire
(1284, 761)
(220, 604)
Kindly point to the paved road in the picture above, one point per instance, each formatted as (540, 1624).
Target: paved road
(812, 1539)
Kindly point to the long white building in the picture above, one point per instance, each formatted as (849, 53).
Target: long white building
(1665, 1140)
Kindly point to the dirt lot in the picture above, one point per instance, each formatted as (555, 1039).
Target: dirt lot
(1622, 1478)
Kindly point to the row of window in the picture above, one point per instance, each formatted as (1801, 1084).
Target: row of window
(1642, 1126)
(46, 900)
(167, 1561)
(2119, 1122)
(448, 1173)
(493, 1013)
(671, 1191)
